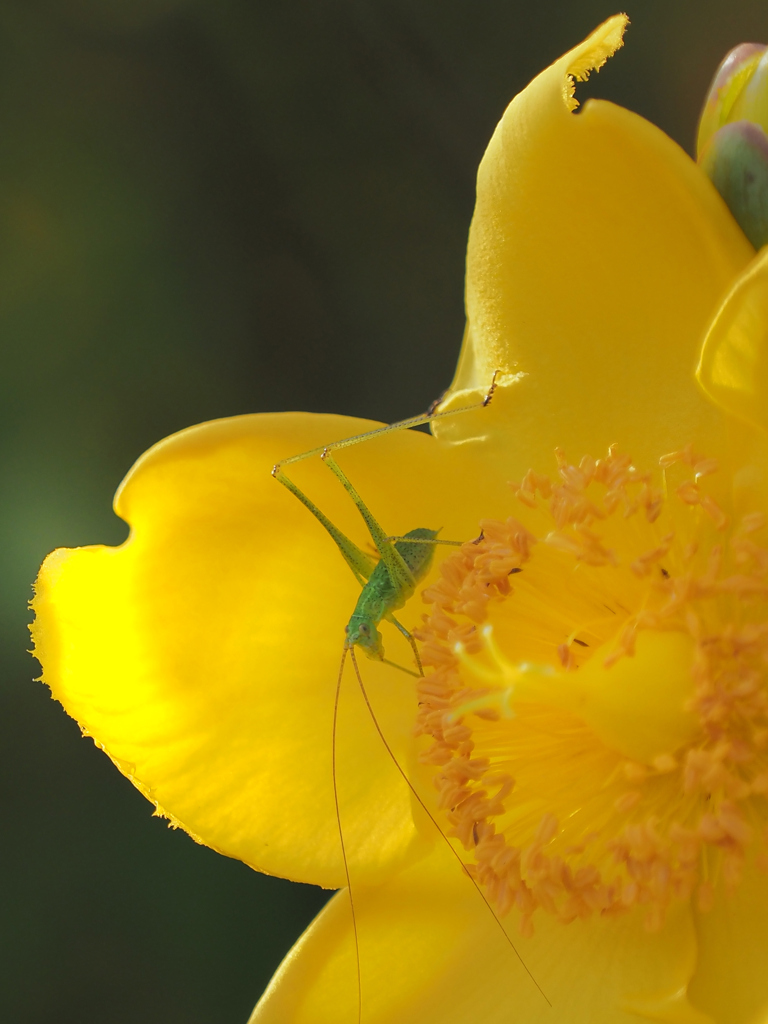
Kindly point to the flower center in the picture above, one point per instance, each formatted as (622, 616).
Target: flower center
(597, 699)
(638, 706)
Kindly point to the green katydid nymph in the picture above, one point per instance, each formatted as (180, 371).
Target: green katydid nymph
(404, 561)
(386, 585)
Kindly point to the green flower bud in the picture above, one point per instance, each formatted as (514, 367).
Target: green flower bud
(732, 144)
(727, 86)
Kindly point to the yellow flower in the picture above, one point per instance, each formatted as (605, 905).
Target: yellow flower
(593, 724)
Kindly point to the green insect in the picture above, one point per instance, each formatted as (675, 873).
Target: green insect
(404, 561)
(386, 586)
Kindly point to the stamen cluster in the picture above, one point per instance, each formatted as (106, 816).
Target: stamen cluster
(555, 818)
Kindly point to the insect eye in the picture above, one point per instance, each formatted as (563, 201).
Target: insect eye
(363, 628)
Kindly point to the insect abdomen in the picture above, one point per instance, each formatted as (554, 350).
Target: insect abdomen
(418, 557)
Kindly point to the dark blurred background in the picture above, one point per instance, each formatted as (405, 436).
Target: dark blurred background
(211, 207)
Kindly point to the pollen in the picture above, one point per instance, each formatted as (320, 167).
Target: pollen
(596, 699)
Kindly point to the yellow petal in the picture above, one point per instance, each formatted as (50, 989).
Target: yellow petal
(733, 369)
(203, 653)
(731, 982)
(430, 953)
(597, 254)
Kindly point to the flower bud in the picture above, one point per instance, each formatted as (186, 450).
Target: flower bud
(732, 144)
(731, 77)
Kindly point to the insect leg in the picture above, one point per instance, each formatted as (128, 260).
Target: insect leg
(412, 421)
(361, 564)
(409, 638)
(401, 668)
(401, 576)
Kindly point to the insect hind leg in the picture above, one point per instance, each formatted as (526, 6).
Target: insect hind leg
(361, 565)
(431, 414)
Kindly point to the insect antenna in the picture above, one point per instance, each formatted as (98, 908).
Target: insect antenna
(341, 831)
(431, 817)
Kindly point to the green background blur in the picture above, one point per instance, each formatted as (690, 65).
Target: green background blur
(212, 207)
